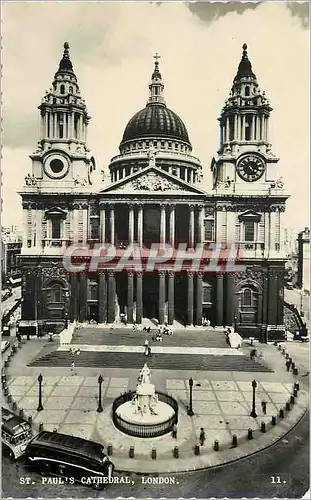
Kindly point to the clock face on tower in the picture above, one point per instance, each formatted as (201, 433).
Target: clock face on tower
(250, 168)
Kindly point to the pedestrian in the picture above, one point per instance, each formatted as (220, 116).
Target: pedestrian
(149, 351)
(174, 431)
(73, 368)
(146, 347)
(253, 353)
(202, 436)
(264, 407)
(288, 365)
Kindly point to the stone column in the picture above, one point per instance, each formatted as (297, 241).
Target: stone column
(74, 316)
(172, 225)
(253, 128)
(65, 125)
(83, 299)
(55, 125)
(220, 299)
(280, 293)
(191, 226)
(201, 224)
(131, 225)
(227, 129)
(235, 134)
(75, 224)
(199, 299)
(112, 227)
(243, 128)
(139, 297)
(221, 135)
(25, 227)
(102, 224)
(161, 296)
(102, 298)
(230, 300)
(85, 224)
(72, 125)
(111, 297)
(272, 298)
(163, 225)
(190, 299)
(39, 228)
(140, 228)
(130, 296)
(171, 298)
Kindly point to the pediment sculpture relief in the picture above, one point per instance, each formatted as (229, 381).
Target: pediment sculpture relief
(152, 182)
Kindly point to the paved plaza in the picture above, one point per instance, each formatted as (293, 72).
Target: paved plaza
(222, 403)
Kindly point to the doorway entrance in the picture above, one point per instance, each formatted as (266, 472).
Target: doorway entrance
(93, 312)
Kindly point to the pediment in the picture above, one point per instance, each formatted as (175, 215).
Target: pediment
(152, 180)
(250, 215)
(55, 212)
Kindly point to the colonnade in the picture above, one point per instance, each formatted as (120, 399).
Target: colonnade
(167, 223)
(259, 128)
(50, 122)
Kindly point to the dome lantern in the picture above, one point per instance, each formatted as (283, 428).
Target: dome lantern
(156, 86)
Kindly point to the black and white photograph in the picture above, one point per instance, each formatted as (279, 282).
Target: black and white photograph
(155, 249)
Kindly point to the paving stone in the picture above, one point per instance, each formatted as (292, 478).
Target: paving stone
(229, 396)
(209, 422)
(224, 385)
(58, 402)
(203, 395)
(84, 431)
(242, 422)
(50, 416)
(18, 390)
(234, 408)
(70, 390)
(23, 381)
(114, 392)
(273, 387)
(88, 391)
(175, 384)
(34, 390)
(279, 398)
(71, 380)
(244, 385)
(29, 402)
(84, 404)
(80, 417)
(119, 382)
(204, 385)
(206, 408)
(93, 382)
(50, 380)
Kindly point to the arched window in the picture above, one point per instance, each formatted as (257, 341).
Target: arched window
(70, 90)
(207, 293)
(62, 89)
(56, 292)
(247, 297)
(247, 91)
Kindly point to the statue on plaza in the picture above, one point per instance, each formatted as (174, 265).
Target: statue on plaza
(145, 374)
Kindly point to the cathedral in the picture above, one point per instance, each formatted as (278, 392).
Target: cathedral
(154, 196)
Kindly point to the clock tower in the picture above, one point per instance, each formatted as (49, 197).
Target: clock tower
(245, 161)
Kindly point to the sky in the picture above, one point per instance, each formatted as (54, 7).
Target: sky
(112, 46)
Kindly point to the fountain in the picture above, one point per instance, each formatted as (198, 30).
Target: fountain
(145, 413)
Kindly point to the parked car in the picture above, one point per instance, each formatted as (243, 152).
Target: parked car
(4, 345)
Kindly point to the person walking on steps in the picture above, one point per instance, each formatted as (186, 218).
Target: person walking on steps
(202, 436)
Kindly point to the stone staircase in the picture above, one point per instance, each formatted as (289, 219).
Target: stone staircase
(124, 336)
(133, 360)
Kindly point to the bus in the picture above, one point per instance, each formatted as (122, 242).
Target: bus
(72, 458)
(16, 433)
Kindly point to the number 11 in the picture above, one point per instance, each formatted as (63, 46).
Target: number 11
(275, 479)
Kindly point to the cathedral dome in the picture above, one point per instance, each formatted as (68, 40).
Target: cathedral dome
(155, 120)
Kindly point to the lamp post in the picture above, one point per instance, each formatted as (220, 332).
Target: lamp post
(66, 308)
(40, 407)
(235, 322)
(100, 407)
(253, 412)
(190, 410)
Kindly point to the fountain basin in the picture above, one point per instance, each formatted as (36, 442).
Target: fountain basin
(146, 425)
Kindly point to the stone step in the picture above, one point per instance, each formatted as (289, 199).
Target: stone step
(159, 362)
(123, 336)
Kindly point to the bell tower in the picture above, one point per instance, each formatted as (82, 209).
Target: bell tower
(61, 159)
(245, 161)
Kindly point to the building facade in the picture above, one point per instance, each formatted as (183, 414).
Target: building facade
(11, 246)
(155, 196)
(303, 262)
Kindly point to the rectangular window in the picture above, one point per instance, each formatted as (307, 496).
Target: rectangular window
(93, 290)
(207, 294)
(209, 230)
(249, 231)
(94, 223)
(55, 229)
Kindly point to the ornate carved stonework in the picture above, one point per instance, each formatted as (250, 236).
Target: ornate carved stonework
(249, 273)
(152, 182)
